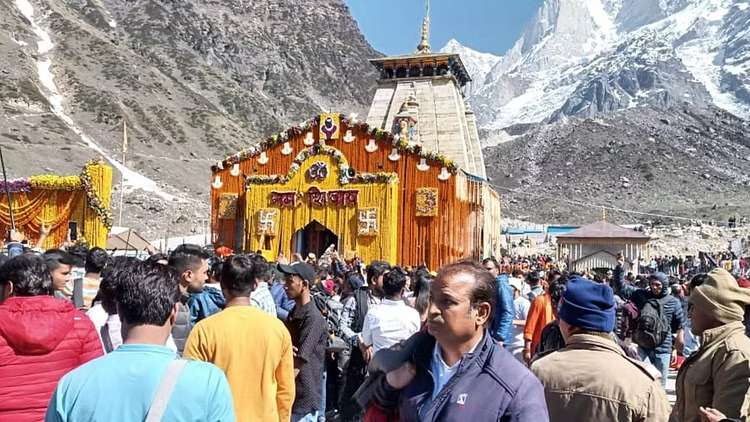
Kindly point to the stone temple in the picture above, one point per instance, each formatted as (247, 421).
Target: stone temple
(420, 99)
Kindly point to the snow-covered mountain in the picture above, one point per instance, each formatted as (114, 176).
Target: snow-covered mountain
(477, 64)
(584, 57)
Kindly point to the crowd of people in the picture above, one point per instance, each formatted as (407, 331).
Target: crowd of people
(684, 266)
(85, 336)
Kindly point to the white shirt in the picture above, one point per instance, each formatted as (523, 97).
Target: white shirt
(99, 317)
(388, 323)
(521, 307)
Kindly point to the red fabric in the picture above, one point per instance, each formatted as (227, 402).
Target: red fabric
(41, 339)
(677, 362)
(743, 282)
(376, 413)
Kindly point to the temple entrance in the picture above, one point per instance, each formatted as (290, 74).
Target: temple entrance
(313, 238)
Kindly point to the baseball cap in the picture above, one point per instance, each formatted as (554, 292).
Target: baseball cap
(302, 269)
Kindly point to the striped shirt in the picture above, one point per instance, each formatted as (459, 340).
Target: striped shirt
(261, 298)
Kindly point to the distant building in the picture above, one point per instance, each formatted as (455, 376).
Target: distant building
(597, 245)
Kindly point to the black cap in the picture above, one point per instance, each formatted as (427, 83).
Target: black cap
(304, 270)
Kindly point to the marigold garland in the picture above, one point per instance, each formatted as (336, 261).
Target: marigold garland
(51, 199)
(377, 133)
(343, 165)
(52, 182)
(94, 202)
(374, 178)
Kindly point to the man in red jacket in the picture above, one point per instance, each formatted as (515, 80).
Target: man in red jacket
(41, 339)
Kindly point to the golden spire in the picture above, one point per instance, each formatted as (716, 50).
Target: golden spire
(424, 43)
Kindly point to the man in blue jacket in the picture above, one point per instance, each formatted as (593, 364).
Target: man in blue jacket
(284, 305)
(658, 289)
(455, 371)
(502, 321)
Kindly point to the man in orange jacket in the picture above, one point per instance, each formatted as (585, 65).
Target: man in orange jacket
(541, 313)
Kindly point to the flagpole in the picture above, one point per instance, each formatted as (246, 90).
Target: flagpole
(7, 192)
(122, 175)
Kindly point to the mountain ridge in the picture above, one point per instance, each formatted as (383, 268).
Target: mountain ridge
(195, 81)
(549, 72)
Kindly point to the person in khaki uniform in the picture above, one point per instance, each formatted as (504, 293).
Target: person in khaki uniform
(717, 375)
(592, 379)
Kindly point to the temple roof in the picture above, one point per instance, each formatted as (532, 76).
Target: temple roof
(603, 230)
(451, 60)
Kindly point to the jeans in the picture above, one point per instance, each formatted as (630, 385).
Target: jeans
(322, 412)
(659, 360)
(310, 417)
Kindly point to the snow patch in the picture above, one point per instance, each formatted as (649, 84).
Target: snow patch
(501, 137)
(700, 54)
(607, 32)
(131, 179)
(17, 41)
(478, 64)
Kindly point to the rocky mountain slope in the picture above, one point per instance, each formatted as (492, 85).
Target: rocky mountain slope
(195, 81)
(635, 105)
(586, 57)
(684, 162)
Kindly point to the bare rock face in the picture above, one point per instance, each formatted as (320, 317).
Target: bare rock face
(685, 162)
(195, 80)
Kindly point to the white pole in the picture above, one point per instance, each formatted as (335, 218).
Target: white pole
(122, 175)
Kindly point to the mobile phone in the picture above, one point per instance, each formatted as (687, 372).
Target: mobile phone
(73, 229)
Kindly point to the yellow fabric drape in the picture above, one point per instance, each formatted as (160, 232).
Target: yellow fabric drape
(56, 214)
(342, 220)
(51, 208)
(56, 207)
(26, 207)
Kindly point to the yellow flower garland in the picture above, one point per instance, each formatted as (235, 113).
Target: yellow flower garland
(52, 182)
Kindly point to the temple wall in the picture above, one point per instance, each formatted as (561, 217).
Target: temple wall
(443, 123)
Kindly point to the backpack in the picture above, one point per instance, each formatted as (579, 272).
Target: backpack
(331, 311)
(651, 326)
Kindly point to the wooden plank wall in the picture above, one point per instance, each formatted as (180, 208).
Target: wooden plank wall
(456, 232)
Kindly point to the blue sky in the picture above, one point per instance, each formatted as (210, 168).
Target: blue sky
(392, 26)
